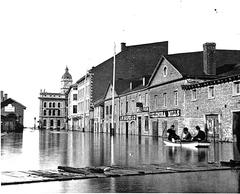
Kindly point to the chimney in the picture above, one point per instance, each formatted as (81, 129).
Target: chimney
(144, 81)
(123, 46)
(5, 96)
(209, 58)
(131, 86)
(1, 96)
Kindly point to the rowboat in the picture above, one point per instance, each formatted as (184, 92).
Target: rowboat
(191, 144)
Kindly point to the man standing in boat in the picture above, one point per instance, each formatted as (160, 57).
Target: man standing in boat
(200, 136)
(172, 136)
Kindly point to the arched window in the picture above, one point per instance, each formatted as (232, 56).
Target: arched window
(50, 104)
(165, 71)
(51, 123)
(53, 104)
(44, 122)
(44, 112)
(59, 105)
(44, 104)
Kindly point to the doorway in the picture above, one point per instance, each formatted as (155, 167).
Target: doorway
(236, 126)
(155, 128)
(139, 126)
(126, 128)
(212, 124)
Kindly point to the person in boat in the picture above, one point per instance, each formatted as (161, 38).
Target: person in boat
(200, 135)
(187, 135)
(172, 136)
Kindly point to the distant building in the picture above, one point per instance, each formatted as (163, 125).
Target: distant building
(12, 114)
(53, 106)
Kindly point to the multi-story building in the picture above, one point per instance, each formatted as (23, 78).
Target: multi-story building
(53, 106)
(79, 104)
(133, 62)
(73, 120)
(178, 76)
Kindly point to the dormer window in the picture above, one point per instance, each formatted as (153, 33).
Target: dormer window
(165, 71)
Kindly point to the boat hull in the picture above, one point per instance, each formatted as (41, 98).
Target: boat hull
(193, 144)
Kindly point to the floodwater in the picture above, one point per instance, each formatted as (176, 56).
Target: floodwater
(47, 150)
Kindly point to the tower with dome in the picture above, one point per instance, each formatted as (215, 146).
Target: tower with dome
(66, 81)
(53, 105)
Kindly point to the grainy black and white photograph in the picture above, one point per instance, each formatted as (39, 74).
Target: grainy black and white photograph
(120, 96)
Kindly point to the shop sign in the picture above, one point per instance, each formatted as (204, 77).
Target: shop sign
(128, 117)
(166, 113)
(9, 108)
(142, 109)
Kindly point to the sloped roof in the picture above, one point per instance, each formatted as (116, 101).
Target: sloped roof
(131, 63)
(9, 101)
(191, 64)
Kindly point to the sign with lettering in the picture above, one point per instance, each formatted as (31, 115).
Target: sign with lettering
(142, 109)
(9, 108)
(166, 113)
(128, 117)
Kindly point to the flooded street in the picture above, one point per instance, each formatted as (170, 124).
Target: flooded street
(34, 150)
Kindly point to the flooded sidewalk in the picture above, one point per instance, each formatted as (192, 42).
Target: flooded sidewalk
(64, 173)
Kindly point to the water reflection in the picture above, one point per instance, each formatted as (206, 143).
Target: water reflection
(46, 149)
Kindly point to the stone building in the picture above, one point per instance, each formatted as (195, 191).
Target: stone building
(170, 85)
(12, 114)
(53, 106)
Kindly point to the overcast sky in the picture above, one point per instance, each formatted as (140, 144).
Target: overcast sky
(39, 38)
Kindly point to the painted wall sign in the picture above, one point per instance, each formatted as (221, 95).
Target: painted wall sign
(166, 113)
(128, 117)
(9, 108)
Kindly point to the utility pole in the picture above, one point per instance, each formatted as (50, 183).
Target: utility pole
(112, 130)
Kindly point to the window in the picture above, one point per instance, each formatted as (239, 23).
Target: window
(194, 94)
(44, 112)
(59, 112)
(74, 96)
(74, 108)
(165, 99)
(44, 104)
(236, 88)
(44, 122)
(58, 123)
(59, 105)
(139, 98)
(106, 110)
(121, 108)
(53, 104)
(110, 109)
(53, 112)
(146, 99)
(155, 101)
(49, 112)
(165, 71)
(51, 123)
(133, 105)
(50, 104)
(126, 106)
(175, 98)
(211, 93)
(146, 123)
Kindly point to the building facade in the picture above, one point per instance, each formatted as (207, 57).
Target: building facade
(53, 106)
(12, 114)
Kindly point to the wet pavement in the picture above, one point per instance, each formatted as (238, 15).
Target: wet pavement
(35, 150)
